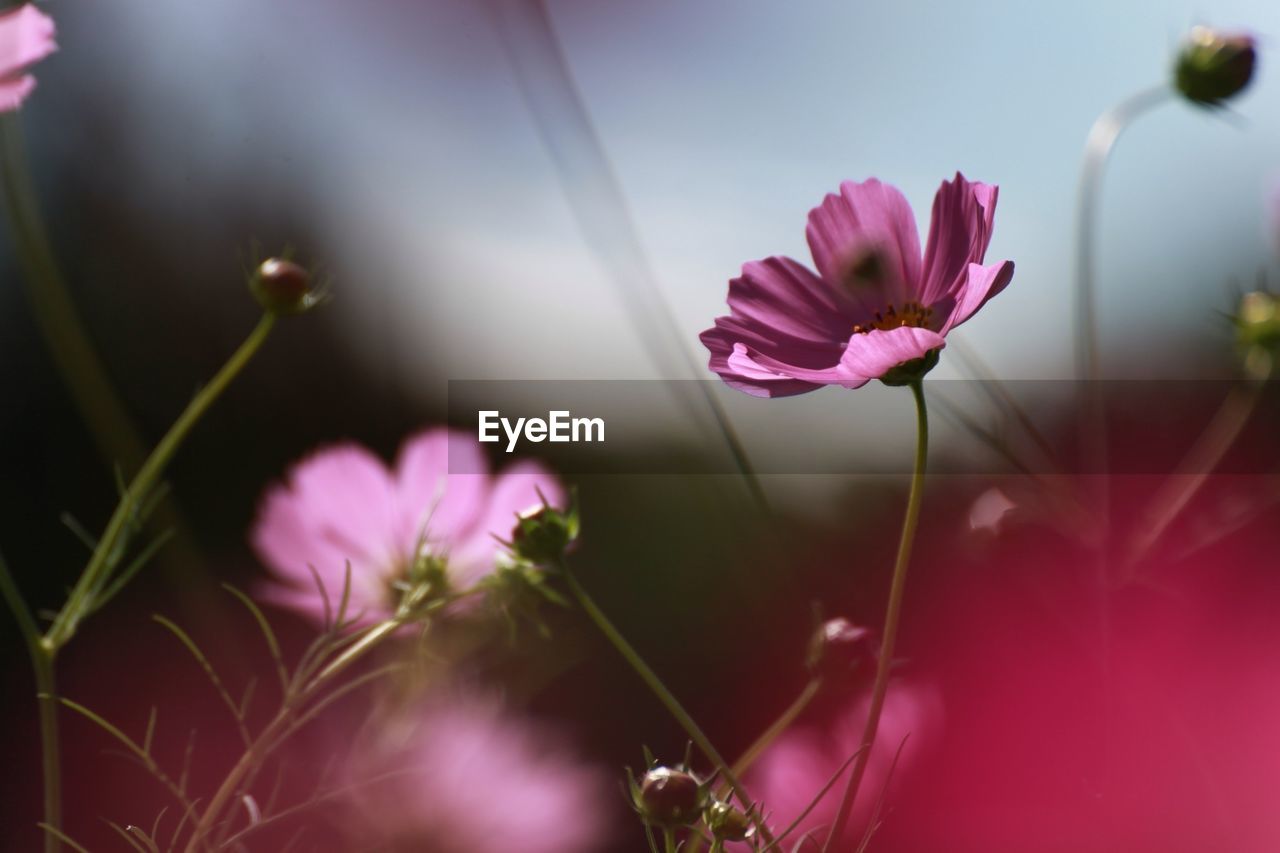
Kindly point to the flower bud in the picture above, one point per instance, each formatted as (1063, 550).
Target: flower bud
(1213, 66)
(727, 823)
(1258, 332)
(837, 649)
(669, 797)
(283, 287)
(543, 534)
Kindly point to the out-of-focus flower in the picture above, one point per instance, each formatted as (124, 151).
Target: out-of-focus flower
(470, 778)
(989, 509)
(1213, 66)
(1257, 323)
(876, 309)
(439, 506)
(796, 767)
(26, 37)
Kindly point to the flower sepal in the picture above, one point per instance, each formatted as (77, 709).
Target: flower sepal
(911, 372)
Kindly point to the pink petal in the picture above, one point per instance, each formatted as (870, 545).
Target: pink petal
(959, 232)
(756, 366)
(338, 506)
(980, 284)
(442, 479)
(875, 353)
(780, 295)
(515, 490)
(731, 331)
(14, 91)
(869, 216)
(26, 36)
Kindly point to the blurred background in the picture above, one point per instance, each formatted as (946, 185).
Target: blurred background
(392, 144)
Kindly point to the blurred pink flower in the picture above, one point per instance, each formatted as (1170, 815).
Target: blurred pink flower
(342, 504)
(26, 37)
(796, 767)
(478, 781)
(874, 304)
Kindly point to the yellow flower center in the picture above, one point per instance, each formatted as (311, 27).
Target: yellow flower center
(911, 314)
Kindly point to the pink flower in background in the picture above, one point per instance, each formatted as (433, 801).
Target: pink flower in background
(796, 767)
(479, 781)
(875, 303)
(342, 504)
(26, 37)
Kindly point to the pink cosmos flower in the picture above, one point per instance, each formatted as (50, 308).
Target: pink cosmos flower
(480, 781)
(342, 504)
(796, 767)
(875, 303)
(26, 37)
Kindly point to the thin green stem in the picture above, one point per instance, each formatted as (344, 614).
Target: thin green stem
(46, 695)
(279, 725)
(669, 840)
(50, 747)
(1102, 138)
(777, 727)
(55, 313)
(665, 696)
(97, 572)
(757, 748)
(892, 618)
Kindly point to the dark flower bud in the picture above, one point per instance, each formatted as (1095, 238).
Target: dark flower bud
(543, 534)
(838, 648)
(283, 287)
(1213, 66)
(727, 823)
(669, 797)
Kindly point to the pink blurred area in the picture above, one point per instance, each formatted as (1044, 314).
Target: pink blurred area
(1145, 717)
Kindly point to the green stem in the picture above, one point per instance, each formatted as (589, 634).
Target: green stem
(780, 725)
(46, 695)
(893, 614)
(96, 573)
(757, 748)
(55, 313)
(1102, 138)
(263, 744)
(668, 700)
(50, 749)
(669, 840)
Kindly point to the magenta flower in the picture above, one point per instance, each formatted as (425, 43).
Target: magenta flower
(477, 780)
(874, 304)
(26, 37)
(342, 504)
(799, 763)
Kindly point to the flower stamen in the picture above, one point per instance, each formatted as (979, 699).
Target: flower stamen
(912, 314)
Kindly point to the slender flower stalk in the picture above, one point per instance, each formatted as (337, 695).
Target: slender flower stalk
(1103, 135)
(893, 614)
(665, 696)
(55, 314)
(43, 649)
(80, 601)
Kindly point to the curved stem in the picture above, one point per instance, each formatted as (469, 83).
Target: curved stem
(1102, 138)
(893, 614)
(96, 573)
(55, 313)
(665, 696)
